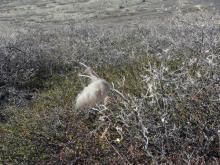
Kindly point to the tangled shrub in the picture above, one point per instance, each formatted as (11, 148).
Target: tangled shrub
(169, 76)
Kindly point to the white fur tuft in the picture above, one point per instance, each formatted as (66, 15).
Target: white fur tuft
(93, 94)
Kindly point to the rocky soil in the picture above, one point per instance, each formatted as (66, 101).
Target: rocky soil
(16, 14)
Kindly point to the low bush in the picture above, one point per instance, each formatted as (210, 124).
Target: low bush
(169, 76)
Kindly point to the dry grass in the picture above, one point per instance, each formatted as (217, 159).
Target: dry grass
(169, 76)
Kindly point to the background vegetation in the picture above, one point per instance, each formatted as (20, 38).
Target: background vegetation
(169, 75)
